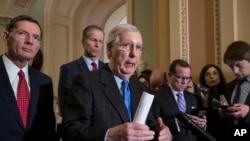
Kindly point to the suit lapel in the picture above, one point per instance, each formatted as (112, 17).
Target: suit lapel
(34, 95)
(82, 65)
(230, 90)
(171, 99)
(188, 101)
(113, 94)
(7, 94)
(101, 64)
(136, 95)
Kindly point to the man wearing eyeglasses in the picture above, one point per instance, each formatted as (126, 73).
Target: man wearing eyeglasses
(174, 98)
(97, 109)
(26, 94)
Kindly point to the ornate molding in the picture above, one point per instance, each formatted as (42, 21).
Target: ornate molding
(184, 32)
(217, 32)
(23, 5)
(4, 20)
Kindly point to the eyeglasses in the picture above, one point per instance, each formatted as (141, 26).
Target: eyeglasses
(126, 46)
(24, 35)
(182, 77)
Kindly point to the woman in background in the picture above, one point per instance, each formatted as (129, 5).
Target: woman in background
(212, 83)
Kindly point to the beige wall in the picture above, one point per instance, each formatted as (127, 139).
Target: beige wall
(195, 30)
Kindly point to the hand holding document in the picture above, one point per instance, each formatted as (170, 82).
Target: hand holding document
(143, 107)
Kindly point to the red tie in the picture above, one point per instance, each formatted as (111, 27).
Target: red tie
(23, 97)
(94, 66)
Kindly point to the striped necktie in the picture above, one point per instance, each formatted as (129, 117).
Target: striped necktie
(181, 102)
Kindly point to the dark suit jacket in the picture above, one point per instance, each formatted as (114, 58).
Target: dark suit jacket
(95, 104)
(169, 108)
(67, 73)
(41, 120)
(228, 129)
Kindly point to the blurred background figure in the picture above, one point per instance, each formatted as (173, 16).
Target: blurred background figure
(211, 77)
(192, 87)
(157, 79)
(212, 83)
(144, 77)
(37, 62)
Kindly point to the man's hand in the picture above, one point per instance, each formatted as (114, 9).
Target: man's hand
(201, 122)
(239, 110)
(130, 132)
(164, 133)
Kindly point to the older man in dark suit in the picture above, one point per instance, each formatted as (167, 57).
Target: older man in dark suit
(95, 109)
(26, 95)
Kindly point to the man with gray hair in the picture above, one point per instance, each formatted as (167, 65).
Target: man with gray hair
(102, 104)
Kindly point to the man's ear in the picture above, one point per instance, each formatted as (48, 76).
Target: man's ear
(109, 52)
(83, 42)
(5, 37)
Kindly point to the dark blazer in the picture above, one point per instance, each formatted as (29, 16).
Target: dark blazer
(169, 108)
(228, 129)
(67, 73)
(41, 120)
(95, 104)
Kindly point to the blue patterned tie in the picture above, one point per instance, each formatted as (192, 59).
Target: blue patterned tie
(127, 97)
(181, 102)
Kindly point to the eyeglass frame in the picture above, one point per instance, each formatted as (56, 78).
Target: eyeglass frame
(25, 34)
(182, 77)
(128, 46)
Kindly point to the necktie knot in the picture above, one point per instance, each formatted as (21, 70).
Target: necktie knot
(94, 66)
(179, 95)
(125, 83)
(21, 74)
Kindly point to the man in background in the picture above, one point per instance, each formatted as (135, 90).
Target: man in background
(174, 98)
(157, 80)
(92, 42)
(236, 115)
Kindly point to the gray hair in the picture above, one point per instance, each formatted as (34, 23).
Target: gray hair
(113, 36)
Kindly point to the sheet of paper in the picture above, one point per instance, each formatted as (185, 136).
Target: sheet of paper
(143, 107)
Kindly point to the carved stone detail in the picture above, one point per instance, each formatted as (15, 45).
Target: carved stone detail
(184, 32)
(217, 32)
(4, 20)
(22, 5)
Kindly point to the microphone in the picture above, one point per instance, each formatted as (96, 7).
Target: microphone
(187, 121)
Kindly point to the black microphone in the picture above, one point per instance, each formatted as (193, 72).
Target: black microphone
(187, 121)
